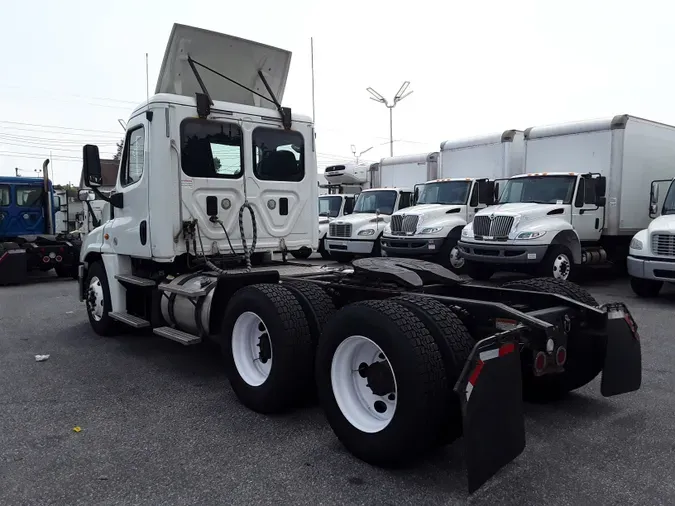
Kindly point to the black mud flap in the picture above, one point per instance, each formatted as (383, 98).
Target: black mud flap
(491, 394)
(622, 372)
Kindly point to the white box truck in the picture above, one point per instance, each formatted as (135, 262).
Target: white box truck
(581, 200)
(468, 170)
(393, 184)
(651, 258)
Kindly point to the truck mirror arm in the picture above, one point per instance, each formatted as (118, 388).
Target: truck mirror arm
(115, 200)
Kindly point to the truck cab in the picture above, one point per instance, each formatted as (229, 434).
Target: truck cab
(22, 207)
(540, 221)
(332, 207)
(360, 233)
(651, 257)
(434, 225)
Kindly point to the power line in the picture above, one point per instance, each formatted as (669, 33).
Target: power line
(60, 127)
(106, 99)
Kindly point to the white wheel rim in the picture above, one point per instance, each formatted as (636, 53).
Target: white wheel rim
(95, 299)
(456, 261)
(252, 349)
(561, 267)
(365, 410)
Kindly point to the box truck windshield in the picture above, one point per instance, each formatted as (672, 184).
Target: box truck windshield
(539, 190)
(380, 201)
(447, 192)
(330, 206)
(669, 203)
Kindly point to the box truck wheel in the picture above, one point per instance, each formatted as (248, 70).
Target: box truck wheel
(302, 253)
(343, 258)
(585, 352)
(454, 343)
(381, 382)
(479, 271)
(268, 350)
(645, 287)
(449, 256)
(325, 254)
(97, 299)
(377, 248)
(558, 263)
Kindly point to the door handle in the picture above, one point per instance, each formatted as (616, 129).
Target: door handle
(143, 232)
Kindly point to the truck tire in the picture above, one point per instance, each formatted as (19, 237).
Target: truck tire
(316, 304)
(377, 247)
(449, 256)
(558, 263)
(343, 258)
(325, 254)
(585, 354)
(97, 300)
(302, 253)
(479, 271)
(385, 414)
(645, 287)
(454, 343)
(278, 375)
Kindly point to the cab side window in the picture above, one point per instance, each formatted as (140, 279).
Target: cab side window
(590, 194)
(405, 200)
(134, 157)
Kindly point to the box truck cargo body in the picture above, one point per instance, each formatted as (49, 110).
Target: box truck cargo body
(468, 170)
(581, 200)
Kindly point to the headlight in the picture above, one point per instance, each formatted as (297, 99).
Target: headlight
(635, 244)
(431, 230)
(387, 229)
(367, 231)
(467, 231)
(531, 235)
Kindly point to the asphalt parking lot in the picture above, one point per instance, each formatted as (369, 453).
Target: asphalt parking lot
(160, 425)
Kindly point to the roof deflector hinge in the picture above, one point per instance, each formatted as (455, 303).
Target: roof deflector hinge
(284, 112)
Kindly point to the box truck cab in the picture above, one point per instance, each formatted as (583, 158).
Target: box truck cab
(651, 259)
(444, 206)
(332, 207)
(393, 183)
(580, 202)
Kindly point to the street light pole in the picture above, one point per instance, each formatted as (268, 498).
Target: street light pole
(400, 95)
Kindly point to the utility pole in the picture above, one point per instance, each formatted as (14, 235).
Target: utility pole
(400, 95)
(361, 153)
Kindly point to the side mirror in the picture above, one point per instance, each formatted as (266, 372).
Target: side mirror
(83, 195)
(600, 201)
(486, 192)
(601, 186)
(91, 166)
(495, 193)
(416, 195)
(654, 194)
(653, 210)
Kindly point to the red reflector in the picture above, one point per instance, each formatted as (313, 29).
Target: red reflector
(61, 249)
(45, 259)
(476, 372)
(561, 356)
(506, 349)
(42, 250)
(540, 361)
(58, 258)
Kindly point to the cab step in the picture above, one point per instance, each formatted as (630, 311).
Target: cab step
(177, 335)
(182, 290)
(129, 319)
(135, 280)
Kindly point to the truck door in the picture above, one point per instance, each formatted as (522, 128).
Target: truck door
(130, 229)
(587, 217)
(5, 203)
(27, 212)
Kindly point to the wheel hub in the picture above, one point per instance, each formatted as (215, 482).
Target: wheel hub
(95, 299)
(265, 348)
(379, 378)
(561, 267)
(455, 259)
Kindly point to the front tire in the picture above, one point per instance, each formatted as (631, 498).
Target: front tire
(381, 382)
(645, 287)
(450, 256)
(302, 253)
(325, 254)
(558, 263)
(267, 348)
(343, 258)
(479, 271)
(97, 299)
(585, 353)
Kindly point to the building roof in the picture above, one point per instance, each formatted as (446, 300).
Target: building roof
(109, 170)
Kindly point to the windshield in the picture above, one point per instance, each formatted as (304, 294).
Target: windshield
(382, 201)
(539, 190)
(447, 192)
(330, 206)
(4, 195)
(29, 196)
(669, 203)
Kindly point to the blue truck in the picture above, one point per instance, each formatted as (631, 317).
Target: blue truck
(28, 241)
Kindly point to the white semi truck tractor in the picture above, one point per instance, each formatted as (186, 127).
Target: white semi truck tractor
(393, 184)
(651, 259)
(580, 202)
(403, 355)
(468, 170)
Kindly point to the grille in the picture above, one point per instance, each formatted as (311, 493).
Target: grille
(336, 230)
(663, 244)
(403, 225)
(500, 226)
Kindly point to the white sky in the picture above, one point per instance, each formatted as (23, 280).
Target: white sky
(475, 67)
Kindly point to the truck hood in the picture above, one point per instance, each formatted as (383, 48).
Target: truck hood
(359, 219)
(428, 212)
(663, 225)
(527, 211)
(238, 59)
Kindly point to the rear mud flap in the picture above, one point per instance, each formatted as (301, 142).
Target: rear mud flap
(622, 372)
(491, 395)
